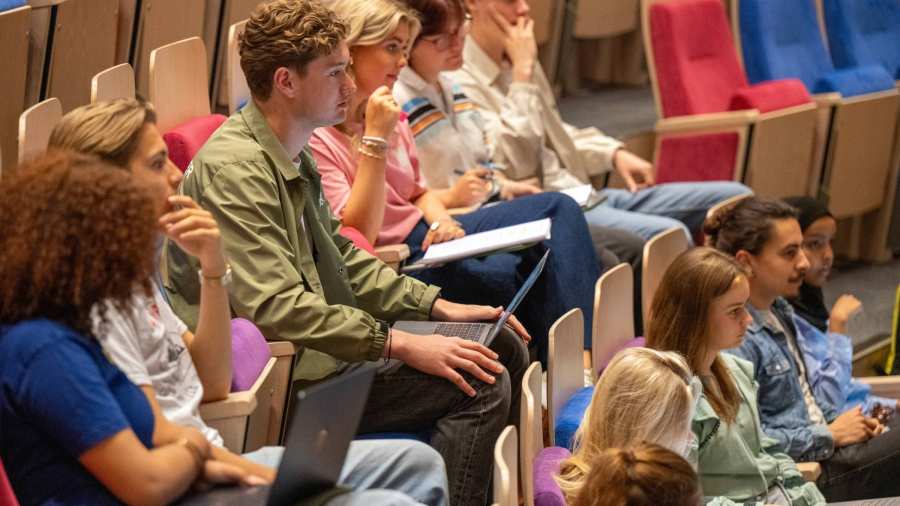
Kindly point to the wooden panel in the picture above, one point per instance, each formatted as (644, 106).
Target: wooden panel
(613, 323)
(125, 29)
(782, 150)
(112, 83)
(35, 125)
(862, 142)
(506, 468)
(565, 372)
(38, 37)
(236, 11)
(596, 19)
(163, 22)
(14, 52)
(179, 88)
(531, 437)
(84, 43)
(659, 253)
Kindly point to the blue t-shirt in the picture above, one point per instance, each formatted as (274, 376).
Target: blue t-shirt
(59, 397)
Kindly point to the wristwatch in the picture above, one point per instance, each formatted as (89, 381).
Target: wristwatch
(224, 279)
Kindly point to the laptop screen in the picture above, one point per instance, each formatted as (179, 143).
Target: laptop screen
(523, 291)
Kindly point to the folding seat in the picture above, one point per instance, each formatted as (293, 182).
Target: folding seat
(112, 83)
(235, 85)
(659, 253)
(35, 125)
(179, 90)
(15, 19)
(715, 125)
(567, 397)
(252, 416)
(864, 32)
(232, 12)
(506, 468)
(614, 317)
(858, 104)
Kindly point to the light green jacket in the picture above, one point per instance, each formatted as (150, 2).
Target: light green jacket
(305, 284)
(737, 462)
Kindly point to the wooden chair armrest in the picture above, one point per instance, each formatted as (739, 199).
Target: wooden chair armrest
(810, 470)
(393, 254)
(236, 404)
(713, 121)
(826, 99)
(281, 348)
(883, 386)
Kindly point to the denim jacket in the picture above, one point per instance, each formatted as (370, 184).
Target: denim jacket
(781, 405)
(829, 364)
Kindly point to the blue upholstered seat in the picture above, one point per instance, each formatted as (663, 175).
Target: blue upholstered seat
(864, 32)
(570, 416)
(6, 5)
(782, 40)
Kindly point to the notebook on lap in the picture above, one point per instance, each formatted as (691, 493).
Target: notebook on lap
(325, 421)
(483, 333)
(886, 501)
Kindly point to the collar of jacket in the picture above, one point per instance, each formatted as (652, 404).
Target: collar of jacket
(270, 144)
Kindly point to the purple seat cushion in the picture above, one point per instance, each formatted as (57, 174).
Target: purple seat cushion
(249, 354)
(546, 464)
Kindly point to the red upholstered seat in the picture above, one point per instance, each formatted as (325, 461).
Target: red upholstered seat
(770, 96)
(186, 139)
(7, 498)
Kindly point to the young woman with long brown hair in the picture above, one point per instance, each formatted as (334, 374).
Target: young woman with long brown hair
(699, 311)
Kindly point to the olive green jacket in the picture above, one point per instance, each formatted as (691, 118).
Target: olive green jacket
(736, 461)
(294, 275)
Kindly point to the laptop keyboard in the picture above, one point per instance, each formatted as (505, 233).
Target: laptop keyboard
(470, 331)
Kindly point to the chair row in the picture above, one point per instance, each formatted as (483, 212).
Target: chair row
(734, 101)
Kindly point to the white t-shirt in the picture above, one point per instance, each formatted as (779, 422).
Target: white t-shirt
(147, 345)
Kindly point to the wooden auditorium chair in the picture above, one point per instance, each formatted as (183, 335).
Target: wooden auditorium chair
(15, 19)
(715, 125)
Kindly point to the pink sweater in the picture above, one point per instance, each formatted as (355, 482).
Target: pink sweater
(337, 163)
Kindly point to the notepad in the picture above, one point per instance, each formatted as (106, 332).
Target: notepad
(499, 239)
(586, 196)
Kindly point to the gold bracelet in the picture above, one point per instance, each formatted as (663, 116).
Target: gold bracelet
(363, 150)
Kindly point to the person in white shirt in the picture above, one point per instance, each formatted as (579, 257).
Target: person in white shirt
(501, 75)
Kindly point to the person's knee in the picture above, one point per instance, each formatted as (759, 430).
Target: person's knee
(420, 458)
(512, 350)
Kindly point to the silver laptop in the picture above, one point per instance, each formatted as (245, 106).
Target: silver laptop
(483, 333)
(325, 420)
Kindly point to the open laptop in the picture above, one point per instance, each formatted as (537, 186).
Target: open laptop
(325, 420)
(886, 501)
(483, 333)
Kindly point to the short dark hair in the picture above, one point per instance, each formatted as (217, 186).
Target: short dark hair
(746, 226)
(436, 14)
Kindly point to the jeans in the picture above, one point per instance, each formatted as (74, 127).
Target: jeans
(381, 473)
(463, 429)
(865, 470)
(659, 208)
(568, 279)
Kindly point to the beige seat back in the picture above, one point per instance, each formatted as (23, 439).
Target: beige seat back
(35, 126)
(613, 315)
(233, 12)
(14, 28)
(179, 87)
(531, 439)
(506, 486)
(565, 371)
(113, 83)
(235, 82)
(659, 253)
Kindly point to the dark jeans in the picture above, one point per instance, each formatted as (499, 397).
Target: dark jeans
(464, 429)
(866, 470)
(614, 246)
(567, 282)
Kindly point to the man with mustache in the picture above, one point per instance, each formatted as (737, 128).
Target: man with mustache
(859, 455)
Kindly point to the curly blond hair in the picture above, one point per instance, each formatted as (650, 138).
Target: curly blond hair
(286, 33)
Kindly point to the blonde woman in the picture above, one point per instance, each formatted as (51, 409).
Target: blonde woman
(643, 395)
(372, 179)
(699, 311)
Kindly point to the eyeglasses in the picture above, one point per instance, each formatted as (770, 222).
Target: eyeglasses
(443, 41)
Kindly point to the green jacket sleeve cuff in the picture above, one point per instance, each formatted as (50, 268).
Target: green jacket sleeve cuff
(426, 303)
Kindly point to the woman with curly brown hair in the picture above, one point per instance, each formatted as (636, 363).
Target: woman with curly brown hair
(75, 431)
